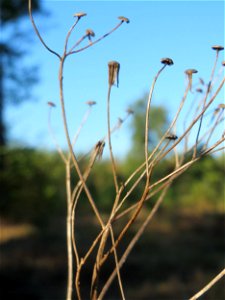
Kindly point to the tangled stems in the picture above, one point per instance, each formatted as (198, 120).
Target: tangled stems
(143, 173)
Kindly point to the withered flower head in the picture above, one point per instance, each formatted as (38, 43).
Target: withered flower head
(221, 106)
(130, 111)
(120, 121)
(199, 90)
(171, 136)
(52, 104)
(217, 48)
(99, 147)
(123, 19)
(90, 103)
(90, 32)
(216, 110)
(167, 61)
(80, 14)
(191, 71)
(202, 81)
(113, 72)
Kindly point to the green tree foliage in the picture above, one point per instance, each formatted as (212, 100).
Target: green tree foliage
(158, 125)
(12, 10)
(32, 186)
(201, 188)
(15, 75)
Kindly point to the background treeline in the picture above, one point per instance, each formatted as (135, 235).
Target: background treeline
(32, 185)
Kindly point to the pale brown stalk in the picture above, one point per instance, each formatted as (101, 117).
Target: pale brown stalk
(208, 286)
(132, 244)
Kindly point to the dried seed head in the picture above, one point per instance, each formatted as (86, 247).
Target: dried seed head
(199, 90)
(90, 103)
(123, 19)
(216, 110)
(113, 72)
(202, 81)
(223, 63)
(190, 71)
(80, 14)
(217, 48)
(221, 106)
(99, 147)
(90, 32)
(120, 121)
(167, 61)
(52, 104)
(171, 136)
(130, 111)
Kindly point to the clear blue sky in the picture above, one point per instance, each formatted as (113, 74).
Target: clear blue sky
(181, 30)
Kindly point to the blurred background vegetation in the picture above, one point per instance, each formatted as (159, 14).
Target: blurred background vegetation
(182, 249)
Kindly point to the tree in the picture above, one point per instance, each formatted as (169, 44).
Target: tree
(158, 125)
(14, 75)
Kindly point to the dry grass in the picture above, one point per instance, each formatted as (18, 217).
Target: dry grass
(9, 232)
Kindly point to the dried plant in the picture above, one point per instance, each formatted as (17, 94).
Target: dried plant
(167, 145)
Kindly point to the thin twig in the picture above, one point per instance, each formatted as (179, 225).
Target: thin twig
(132, 243)
(37, 31)
(74, 159)
(54, 138)
(204, 102)
(96, 41)
(69, 235)
(109, 141)
(147, 119)
(208, 286)
(117, 264)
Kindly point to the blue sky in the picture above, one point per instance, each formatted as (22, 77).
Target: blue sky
(181, 30)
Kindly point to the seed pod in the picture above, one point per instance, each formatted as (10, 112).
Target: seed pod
(217, 48)
(124, 19)
(80, 14)
(201, 81)
(90, 32)
(221, 106)
(99, 147)
(113, 73)
(52, 104)
(130, 111)
(171, 136)
(90, 103)
(167, 61)
(189, 73)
